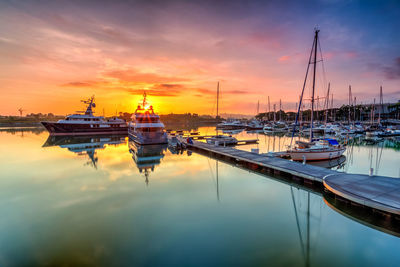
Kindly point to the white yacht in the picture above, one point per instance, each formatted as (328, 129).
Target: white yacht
(146, 127)
(86, 123)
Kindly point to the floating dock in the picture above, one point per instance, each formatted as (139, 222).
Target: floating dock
(379, 193)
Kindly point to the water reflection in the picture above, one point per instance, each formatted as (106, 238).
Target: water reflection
(364, 216)
(95, 219)
(147, 157)
(85, 145)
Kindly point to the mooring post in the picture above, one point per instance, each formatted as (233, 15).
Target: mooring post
(304, 160)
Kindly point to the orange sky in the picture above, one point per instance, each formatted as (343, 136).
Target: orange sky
(56, 54)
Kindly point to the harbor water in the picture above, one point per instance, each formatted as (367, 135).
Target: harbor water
(104, 201)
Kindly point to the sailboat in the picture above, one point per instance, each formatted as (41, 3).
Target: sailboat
(314, 149)
(224, 140)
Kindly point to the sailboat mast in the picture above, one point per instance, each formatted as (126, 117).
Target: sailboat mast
(313, 86)
(216, 128)
(354, 110)
(380, 105)
(258, 107)
(217, 98)
(327, 104)
(269, 109)
(349, 103)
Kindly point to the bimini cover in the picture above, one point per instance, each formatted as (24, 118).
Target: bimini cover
(332, 142)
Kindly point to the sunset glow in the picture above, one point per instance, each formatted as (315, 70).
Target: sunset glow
(57, 53)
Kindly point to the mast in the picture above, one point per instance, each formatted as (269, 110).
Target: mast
(269, 108)
(216, 128)
(354, 110)
(302, 92)
(380, 105)
(274, 112)
(333, 115)
(217, 98)
(373, 113)
(349, 103)
(313, 85)
(327, 103)
(280, 109)
(258, 107)
(90, 103)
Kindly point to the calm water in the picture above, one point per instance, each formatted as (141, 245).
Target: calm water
(62, 203)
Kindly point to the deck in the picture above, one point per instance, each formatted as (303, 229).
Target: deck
(376, 192)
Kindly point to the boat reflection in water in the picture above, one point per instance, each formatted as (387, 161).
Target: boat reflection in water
(331, 163)
(85, 145)
(147, 157)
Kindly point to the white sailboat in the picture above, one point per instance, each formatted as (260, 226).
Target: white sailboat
(315, 149)
(221, 140)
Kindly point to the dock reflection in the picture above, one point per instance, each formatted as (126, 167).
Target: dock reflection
(147, 157)
(85, 145)
(375, 220)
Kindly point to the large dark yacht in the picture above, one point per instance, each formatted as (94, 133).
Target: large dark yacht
(86, 123)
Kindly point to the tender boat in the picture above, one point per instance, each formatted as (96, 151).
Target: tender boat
(146, 127)
(222, 140)
(86, 123)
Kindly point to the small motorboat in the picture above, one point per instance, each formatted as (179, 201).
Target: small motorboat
(222, 140)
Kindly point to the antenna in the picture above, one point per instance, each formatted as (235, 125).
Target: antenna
(20, 111)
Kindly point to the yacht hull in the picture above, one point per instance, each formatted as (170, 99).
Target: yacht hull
(150, 138)
(55, 128)
(316, 155)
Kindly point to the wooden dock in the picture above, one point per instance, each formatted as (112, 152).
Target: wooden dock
(376, 192)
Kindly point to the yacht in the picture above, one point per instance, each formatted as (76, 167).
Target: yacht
(231, 125)
(147, 157)
(86, 123)
(255, 125)
(146, 127)
(314, 149)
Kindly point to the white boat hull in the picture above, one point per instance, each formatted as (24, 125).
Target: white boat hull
(299, 155)
(151, 138)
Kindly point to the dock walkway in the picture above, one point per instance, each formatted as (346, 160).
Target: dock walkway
(376, 192)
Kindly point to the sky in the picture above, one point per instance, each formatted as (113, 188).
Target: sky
(55, 53)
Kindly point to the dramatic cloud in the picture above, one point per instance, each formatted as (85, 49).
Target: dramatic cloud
(393, 72)
(178, 50)
(136, 76)
(78, 84)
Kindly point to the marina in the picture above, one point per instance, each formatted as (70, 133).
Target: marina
(133, 181)
(377, 192)
(200, 133)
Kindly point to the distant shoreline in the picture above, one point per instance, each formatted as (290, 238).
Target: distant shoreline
(21, 124)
